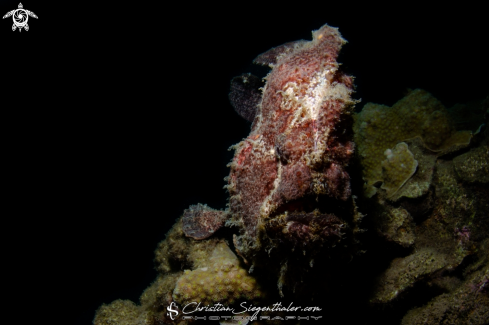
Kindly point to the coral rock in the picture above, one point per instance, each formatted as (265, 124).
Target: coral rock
(468, 303)
(473, 166)
(399, 166)
(219, 279)
(395, 224)
(123, 312)
(379, 128)
(419, 184)
(403, 273)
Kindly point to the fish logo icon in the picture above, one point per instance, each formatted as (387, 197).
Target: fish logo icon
(20, 17)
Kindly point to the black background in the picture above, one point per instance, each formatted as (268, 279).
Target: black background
(115, 119)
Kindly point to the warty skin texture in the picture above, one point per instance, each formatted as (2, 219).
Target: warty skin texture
(300, 142)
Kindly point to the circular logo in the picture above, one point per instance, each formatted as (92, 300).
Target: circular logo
(20, 17)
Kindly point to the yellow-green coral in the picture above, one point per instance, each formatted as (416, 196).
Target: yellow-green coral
(215, 277)
(473, 166)
(153, 303)
(396, 224)
(464, 303)
(404, 272)
(419, 183)
(220, 279)
(212, 271)
(121, 312)
(158, 294)
(397, 168)
(179, 252)
(173, 251)
(378, 128)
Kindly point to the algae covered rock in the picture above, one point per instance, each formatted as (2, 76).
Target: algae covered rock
(404, 273)
(191, 271)
(420, 182)
(398, 167)
(396, 224)
(466, 303)
(121, 312)
(445, 194)
(473, 166)
(379, 128)
(219, 280)
(442, 241)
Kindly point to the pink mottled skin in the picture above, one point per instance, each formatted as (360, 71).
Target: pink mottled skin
(300, 141)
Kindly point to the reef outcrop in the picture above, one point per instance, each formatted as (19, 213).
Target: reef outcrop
(430, 201)
(378, 128)
(464, 302)
(220, 279)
